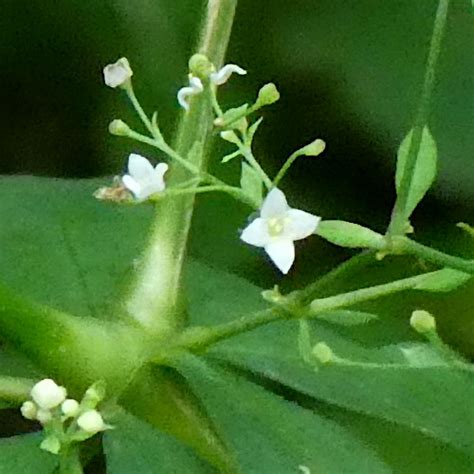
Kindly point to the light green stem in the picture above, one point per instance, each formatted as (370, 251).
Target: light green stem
(138, 108)
(248, 155)
(155, 298)
(399, 215)
(69, 460)
(286, 167)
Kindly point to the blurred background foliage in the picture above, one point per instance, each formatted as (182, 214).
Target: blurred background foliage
(349, 72)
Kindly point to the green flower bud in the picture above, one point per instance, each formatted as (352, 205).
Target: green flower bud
(315, 148)
(119, 128)
(323, 353)
(422, 321)
(200, 66)
(267, 95)
(94, 395)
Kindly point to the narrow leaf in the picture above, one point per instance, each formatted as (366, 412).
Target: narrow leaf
(347, 234)
(425, 169)
(251, 183)
(443, 280)
(348, 318)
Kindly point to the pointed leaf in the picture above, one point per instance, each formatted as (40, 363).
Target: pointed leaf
(347, 234)
(443, 280)
(251, 183)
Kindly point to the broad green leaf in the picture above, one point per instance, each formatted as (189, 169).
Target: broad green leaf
(425, 170)
(444, 280)
(62, 247)
(137, 447)
(251, 183)
(347, 318)
(270, 434)
(347, 234)
(14, 364)
(22, 454)
(434, 400)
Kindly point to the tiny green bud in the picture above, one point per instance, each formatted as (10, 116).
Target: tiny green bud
(267, 95)
(70, 408)
(51, 444)
(44, 416)
(94, 394)
(29, 410)
(422, 321)
(323, 353)
(91, 422)
(315, 148)
(229, 136)
(200, 66)
(119, 127)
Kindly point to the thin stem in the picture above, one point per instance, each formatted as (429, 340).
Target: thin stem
(399, 215)
(407, 246)
(248, 155)
(155, 300)
(138, 108)
(285, 167)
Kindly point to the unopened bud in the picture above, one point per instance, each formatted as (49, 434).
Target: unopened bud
(315, 148)
(47, 394)
(118, 74)
(267, 95)
(422, 321)
(323, 353)
(200, 66)
(119, 128)
(70, 408)
(91, 422)
(44, 416)
(29, 410)
(94, 394)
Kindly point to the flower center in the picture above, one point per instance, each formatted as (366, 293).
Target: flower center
(275, 226)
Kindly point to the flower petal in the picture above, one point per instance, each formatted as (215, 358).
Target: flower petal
(222, 75)
(131, 185)
(256, 233)
(301, 224)
(195, 87)
(161, 169)
(139, 167)
(282, 252)
(274, 205)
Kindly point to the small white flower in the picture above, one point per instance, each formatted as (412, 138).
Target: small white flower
(70, 408)
(144, 180)
(278, 227)
(91, 422)
(47, 394)
(29, 410)
(195, 87)
(117, 74)
(222, 75)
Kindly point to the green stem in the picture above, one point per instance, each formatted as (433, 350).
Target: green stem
(15, 389)
(248, 155)
(69, 460)
(399, 215)
(286, 167)
(406, 246)
(138, 108)
(155, 299)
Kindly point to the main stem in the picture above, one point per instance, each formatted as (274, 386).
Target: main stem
(399, 215)
(155, 300)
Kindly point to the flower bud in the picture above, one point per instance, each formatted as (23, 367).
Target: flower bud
(47, 394)
(267, 95)
(323, 353)
(94, 394)
(70, 408)
(315, 148)
(119, 128)
(44, 416)
(422, 321)
(29, 410)
(200, 66)
(91, 422)
(118, 74)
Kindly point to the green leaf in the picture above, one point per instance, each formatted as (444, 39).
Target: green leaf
(443, 280)
(61, 247)
(270, 434)
(251, 183)
(347, 317)
(231, 118)
(230, 156)
(22, 454)
(425, 170)
(137, 447)
(347, 234)
(252, 131)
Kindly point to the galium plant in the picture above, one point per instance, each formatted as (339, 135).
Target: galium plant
(192, 369)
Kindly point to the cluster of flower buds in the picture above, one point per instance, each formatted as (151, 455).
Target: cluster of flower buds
(64, 420)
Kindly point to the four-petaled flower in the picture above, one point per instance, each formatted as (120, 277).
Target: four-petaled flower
(195, 87)
(222, 75)
(117, 74)
(278, 227)
(144, 180)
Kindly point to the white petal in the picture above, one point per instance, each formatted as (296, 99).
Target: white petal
(139, 167)
(196, 84)
(118, 73)
(274, 205)
(132, 185)
(195, 87)
(222, 75)
(161, 169)
(282, 252)
(301, 224)
(256, 233)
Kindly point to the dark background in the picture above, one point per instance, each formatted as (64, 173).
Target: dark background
(349, 72)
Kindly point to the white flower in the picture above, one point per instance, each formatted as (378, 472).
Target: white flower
(92, 422)
(222, 75)
(29, 410)
(70, 408)
(143, 179)
(117, 74)
(195, 87)
(47, 394)
(278, 227)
